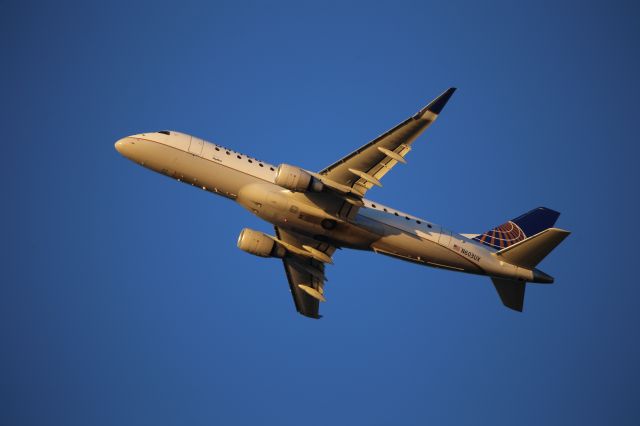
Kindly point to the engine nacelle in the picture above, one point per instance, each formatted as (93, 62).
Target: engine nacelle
(259, 244)
(296, 179)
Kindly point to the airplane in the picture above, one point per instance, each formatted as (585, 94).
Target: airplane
(315, 213)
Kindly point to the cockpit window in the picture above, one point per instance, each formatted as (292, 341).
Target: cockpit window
(165, 132)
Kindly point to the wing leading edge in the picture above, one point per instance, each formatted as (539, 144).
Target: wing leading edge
(363, 168)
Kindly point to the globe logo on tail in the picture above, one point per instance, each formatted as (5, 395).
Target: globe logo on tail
(502, 236)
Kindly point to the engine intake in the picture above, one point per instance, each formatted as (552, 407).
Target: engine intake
(296, 179)
(259, 244)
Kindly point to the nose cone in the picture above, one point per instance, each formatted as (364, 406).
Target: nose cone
(120, 145)
(125, 147)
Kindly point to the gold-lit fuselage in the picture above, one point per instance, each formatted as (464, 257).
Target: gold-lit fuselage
(250, 182)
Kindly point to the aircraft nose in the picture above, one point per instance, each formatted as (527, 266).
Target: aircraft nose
(123, 146)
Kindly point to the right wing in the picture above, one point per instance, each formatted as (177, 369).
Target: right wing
(305, 275)
(363, 168)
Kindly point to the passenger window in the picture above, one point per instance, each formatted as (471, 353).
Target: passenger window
(228, 153)
(385, 209)
(396, 213)
(260, 164)
(239, 157)
(272, 169)
(429, 225)
(373, 205)
(217, 149)
(418, 222)
(250, 161)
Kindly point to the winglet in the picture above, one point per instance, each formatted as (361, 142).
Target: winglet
(438, 103)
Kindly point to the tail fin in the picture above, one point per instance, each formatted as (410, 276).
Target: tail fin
(520, 228)
(528, 253)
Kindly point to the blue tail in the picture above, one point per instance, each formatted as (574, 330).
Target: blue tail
(527, 225)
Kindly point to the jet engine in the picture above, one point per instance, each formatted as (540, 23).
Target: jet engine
(296, 179)
(259, 244)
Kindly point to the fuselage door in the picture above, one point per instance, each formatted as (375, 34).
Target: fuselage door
(195, 147)
(445, 238)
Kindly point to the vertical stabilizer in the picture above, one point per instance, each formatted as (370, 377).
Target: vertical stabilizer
(520, 228)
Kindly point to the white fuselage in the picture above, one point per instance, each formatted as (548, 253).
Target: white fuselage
(375, 227)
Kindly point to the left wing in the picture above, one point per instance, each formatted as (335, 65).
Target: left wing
(363, 168)
(306, 274)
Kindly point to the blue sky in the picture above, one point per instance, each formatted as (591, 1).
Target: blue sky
(125, 301)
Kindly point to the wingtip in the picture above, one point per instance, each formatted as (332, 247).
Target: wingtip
(438, 103)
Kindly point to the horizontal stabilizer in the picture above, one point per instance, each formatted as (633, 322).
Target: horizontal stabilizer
(364, 168)
(511, 293)
(529, 252)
